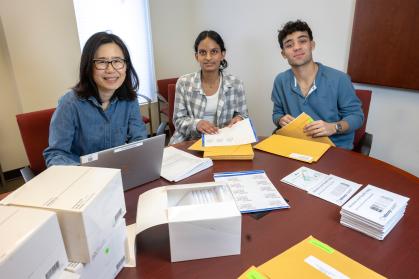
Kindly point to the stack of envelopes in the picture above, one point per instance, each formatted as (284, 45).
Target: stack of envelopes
(232, 152)
(298, 149)
(374, 211)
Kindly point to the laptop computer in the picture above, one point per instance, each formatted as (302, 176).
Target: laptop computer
(140, 161)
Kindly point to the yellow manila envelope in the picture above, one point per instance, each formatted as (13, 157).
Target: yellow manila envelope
(298, 149)
(295, 129)
(312, 258)
(233, 152)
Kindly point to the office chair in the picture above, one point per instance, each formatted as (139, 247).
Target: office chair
(34, 130)
(363, 140)
(162, 95)
(147, 119)
(171, 92)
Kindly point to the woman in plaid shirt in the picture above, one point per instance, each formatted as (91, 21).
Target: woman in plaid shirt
(208, 99)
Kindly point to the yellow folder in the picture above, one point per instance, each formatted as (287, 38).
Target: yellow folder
(295, 129)
(233, 152)
(311, 258)
(298, 149)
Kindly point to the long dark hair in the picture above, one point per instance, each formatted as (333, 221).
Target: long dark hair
(216, 38)
(86, 86)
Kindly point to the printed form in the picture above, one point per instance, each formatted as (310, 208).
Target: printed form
(335, 189)
(252, 190)
(304, 178)
(240, 133)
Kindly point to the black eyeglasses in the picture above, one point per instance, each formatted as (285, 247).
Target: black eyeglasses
(101, 64)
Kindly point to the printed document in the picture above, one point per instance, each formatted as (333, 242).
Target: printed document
(178, 164)
(252, 190)
(240, 133)
(304, 178)
(335, 189)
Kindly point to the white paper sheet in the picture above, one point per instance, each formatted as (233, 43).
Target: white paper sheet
(178, 164)
(252, 190)
(240, 133)
(335, 189)
(304, 178)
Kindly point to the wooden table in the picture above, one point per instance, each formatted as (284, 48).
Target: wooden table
(397, 256)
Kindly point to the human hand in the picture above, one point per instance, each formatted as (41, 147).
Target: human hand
(234, 120)
(284, 120)
(206, 127)
(319, 128)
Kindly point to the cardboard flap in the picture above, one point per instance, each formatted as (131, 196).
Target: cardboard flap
(152, 209)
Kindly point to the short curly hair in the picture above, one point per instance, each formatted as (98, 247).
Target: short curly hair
(291, 27)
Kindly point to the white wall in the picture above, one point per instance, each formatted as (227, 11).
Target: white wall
(249, 29)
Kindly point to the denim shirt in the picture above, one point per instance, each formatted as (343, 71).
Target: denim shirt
(333, 99)
(79, 127)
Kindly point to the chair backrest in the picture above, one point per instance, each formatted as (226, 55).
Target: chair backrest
(162, 86)
(171, 90)
(34, 129)
(365, 97)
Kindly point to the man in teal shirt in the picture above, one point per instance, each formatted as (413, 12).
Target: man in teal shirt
(326, 94)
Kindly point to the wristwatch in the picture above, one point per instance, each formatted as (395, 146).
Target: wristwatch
(338, 128)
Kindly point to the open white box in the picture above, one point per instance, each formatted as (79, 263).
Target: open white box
(88, 201)
(31, 245)
(203, 219)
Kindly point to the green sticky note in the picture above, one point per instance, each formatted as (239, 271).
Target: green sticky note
(322, 246)
(107, 250)
(254, 274)
(310, 120)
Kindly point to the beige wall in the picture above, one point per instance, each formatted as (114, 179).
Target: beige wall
(39, 56)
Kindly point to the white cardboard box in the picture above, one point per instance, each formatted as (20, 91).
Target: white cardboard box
(109, 261)
(203, 219)
(31, 245)
(88, 201)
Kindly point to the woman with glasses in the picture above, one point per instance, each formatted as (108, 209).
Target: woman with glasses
(101, 111)
(208, 99)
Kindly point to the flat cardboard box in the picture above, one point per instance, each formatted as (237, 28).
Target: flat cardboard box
(88, 201)
(109, 261)
(31, 245)
(203, 219)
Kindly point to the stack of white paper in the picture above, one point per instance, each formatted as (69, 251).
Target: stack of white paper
(178, 164)
(252, 190)
(374, 211)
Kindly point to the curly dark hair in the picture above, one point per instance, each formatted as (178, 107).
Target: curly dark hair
(86, 86)
(216, 38)
(291, 27)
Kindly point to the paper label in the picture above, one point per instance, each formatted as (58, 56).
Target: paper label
(325, 268)
(88, 158)
(254, 274)
(126, 147)
(322, 246)
(301, 157)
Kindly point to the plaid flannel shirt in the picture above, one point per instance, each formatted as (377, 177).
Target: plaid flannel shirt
(190, 103)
